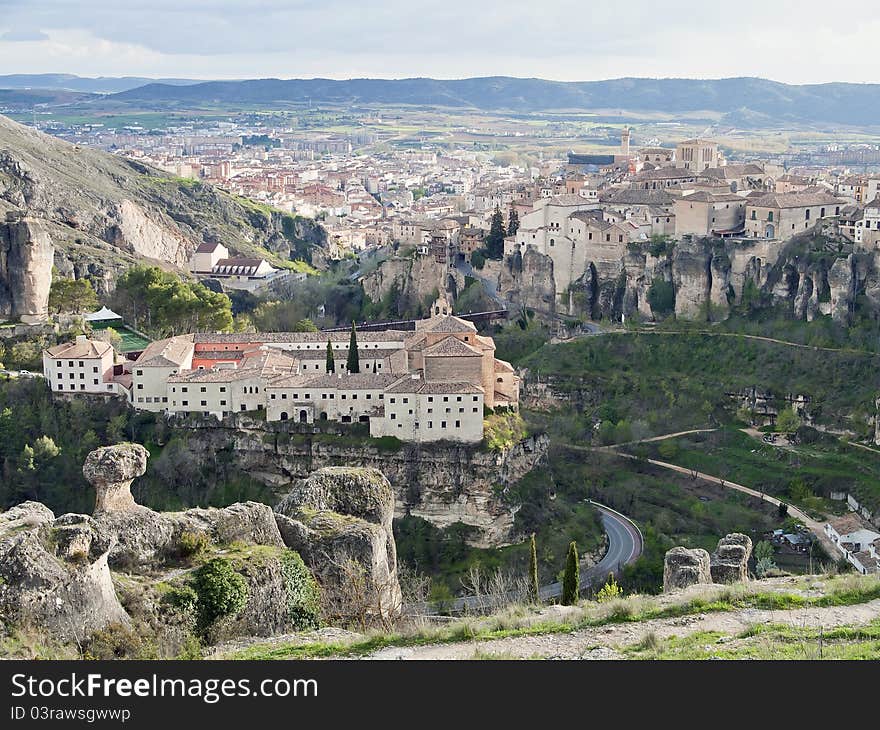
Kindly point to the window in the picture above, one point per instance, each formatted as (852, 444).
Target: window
(140, 386)
(184, 390)
(95, 369)
(139, 372)
(430, 399)
(186, 403)
(222, 388)
(430, 424)
(222, 402)
(95, 381)
(203, 389)
(393, 416)
(60, 386)
(458, 399)
(442, 424)
(80, 363)
(458, 424)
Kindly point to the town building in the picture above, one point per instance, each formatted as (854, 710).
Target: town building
(782, 215)
(82, 366)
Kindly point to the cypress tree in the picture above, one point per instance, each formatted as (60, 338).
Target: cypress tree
(353, 365)
(331, 362)
(533, 570)
(495, 237)
(571, 580)
(512, 222)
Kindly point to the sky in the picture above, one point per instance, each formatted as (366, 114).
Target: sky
(801, 42)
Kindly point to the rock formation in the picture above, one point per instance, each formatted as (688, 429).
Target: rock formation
(730, 561)
(683, 567)
(57, 574)
(111, 470)
(26, 258)
(445, 484)
(340, 514)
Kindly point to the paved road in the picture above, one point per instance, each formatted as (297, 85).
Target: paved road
(625, 545)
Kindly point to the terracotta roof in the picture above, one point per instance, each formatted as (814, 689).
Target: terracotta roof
(169, 352)
(448, 323)
(90, 349)
(794, 200)
(452, 347)
(418, 386)
(354, 381)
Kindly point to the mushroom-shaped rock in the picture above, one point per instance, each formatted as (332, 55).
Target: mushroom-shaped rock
(683, 567)
(111, 470)
(730, 561)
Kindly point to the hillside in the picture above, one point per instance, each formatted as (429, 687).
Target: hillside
(103, 212)
(839, 103)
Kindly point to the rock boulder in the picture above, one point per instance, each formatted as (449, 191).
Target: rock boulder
(683, 567)
(730, 561)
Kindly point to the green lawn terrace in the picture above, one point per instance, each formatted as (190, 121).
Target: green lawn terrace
(105, 319)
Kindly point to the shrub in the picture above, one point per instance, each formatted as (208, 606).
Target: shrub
(609, 591)
(303, 592)
(193, 544)
(181, 598)
(221, 591)
(661, 297)
(119, 641)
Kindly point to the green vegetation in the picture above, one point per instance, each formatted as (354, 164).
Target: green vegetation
(663, 382)
(661, 297)
(353, 363)
(303, 592)
(330, 365)
(517, 340)
(518, 621)
(503, 429)
(534, 586)
(571, 579)
(157, 302)
(805, 473)
(495, 237)
(220, 590)
(72, 295)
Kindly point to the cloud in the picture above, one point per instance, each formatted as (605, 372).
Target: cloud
(558, 39)
(23, 36)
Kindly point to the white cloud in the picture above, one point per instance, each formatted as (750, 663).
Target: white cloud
(558, 39)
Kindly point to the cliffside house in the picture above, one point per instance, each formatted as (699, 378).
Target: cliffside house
(783, 215)
(82, 366)
(419, 386)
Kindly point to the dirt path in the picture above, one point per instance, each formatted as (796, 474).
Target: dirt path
(603, 642)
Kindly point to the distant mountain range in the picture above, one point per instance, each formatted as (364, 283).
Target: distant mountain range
(69, 82)
(747, 101)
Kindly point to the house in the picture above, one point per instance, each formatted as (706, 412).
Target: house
(856, 542)
(663, 177)
(207, 256)
(783, 215)
(705, 214)
(83, 366)
(158, 362)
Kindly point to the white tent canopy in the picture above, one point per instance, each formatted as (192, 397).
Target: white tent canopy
(102, 314)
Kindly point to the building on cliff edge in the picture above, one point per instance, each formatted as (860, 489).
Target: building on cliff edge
(428, 385)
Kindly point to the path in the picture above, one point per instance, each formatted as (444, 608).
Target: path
(587, 643)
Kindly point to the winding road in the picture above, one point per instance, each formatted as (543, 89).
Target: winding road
(625, 545)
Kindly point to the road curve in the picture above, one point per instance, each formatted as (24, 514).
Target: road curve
(625, 545)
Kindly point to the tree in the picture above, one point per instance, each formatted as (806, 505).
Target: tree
(534, 594)
(112, 336)
(571, 580)
(512, 222)
(610, 590)
(495, 237)
(331, 363)
(305, 325)
(788, 421)
(353, 364)
(72, 295)
(661, 296)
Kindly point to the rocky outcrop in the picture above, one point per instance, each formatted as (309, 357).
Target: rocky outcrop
(412, 280)
(526, 280)
(730, 561)
(103, 213)
(57, 574)
(68, 598)
(111, 470)
(26, 257)
(683, 567)
(445, 484)
(339, 515)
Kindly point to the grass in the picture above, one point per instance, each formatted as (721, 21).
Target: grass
(524, 621)
(803, 474)
(767, 641)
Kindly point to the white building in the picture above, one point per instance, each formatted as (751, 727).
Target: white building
(155, 365)
(82, 366)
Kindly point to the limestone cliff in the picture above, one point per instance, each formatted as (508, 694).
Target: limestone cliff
(412, 281)
(26, 255)
(443, 483)
(815, 273)
(104, 212)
